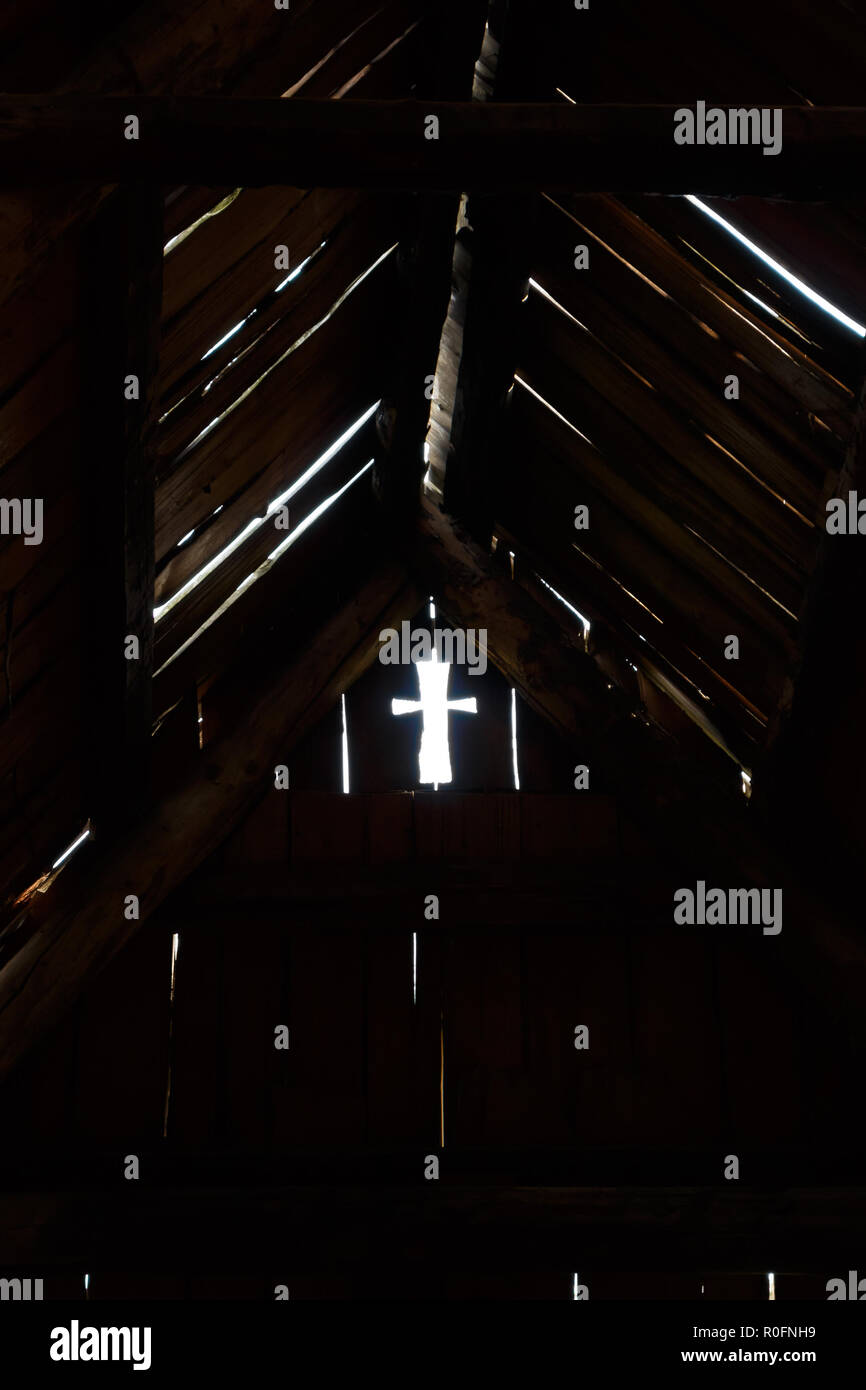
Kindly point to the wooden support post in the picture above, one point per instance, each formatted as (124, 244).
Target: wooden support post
(493, 272)
(123, 295)
(811, 785)
(499, 240)
(423, 270)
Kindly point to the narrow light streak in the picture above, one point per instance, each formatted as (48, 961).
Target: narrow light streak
(514, 739)
(414, 967)
(553, 410)
(534, 285)
(344, 743)
(265, 565)
(570, 606)
(299, 269)
(226, 336)
(205, 217)
(85, 834)
(775, 265)
(317, 512)
(305, 337)
(258, 521)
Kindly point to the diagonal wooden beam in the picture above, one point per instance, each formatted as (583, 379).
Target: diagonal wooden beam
(75, 929)
(389, 144)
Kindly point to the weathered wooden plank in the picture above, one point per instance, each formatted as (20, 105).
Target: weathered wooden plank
(322, 1102)
(669, 570)
(612, 609)
(196, 1113)
(689, 369)
(821, 50)
(578, 1096)
(822, 244)
(403, 1038)
(356, 235)
(480, 145)
(35, 404)
(677, 1055)
(178, 625)
(253, 1009)
(729, 266)
(662, 412)
(217, 529)
(296, 395)
(613, 223)
(486, 1090)
(700, 349)
(281, 600)
(43, 470)
(762, 1051)
(668, 457)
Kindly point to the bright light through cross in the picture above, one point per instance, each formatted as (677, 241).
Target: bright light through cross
(434, 759)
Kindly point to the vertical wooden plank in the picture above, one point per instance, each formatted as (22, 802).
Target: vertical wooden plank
(122, 1062)
(761, 1044)
(579, 828)
(545, 762)
(327, 827)
(487, 1094)
(253, 1010)
(583, 1096)
(677, 1045)
(316, 763)
(36, 1102)
(403, 1041)
(263, 837)
(324, 1102)
(198, 1075)
(467, 827)
(391, 828)
(551, 966)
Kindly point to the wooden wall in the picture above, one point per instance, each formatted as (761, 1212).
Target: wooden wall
(697, 1049)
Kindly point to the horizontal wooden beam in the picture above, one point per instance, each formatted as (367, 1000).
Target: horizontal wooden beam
(389, 144)
(81, 922)
(482, 894)
(452, 1225)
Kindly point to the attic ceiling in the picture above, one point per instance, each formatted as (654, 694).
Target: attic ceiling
(288, 385)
